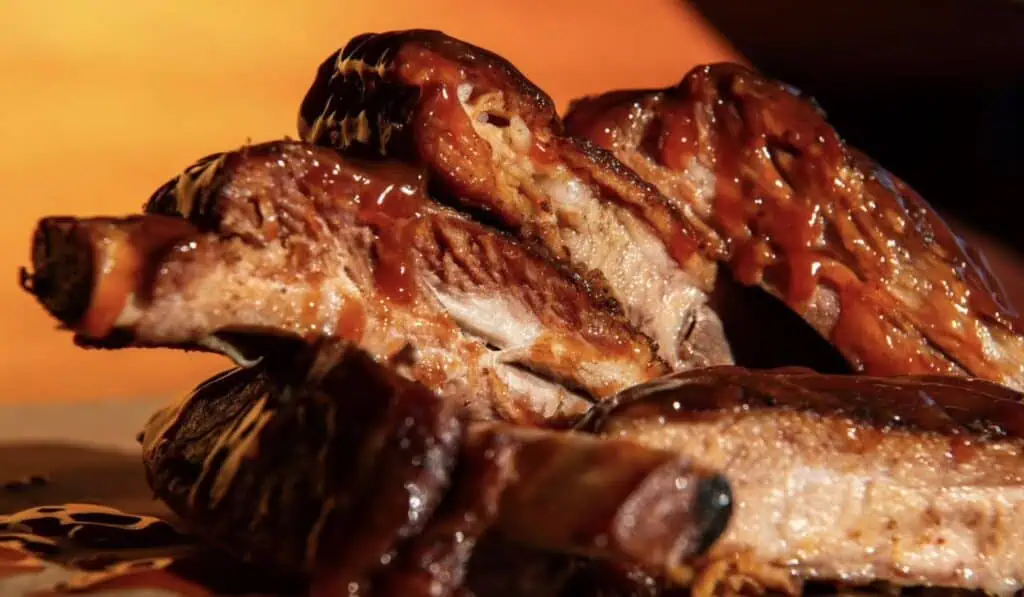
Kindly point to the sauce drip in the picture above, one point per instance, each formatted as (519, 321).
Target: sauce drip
(541, 154)
(756, 207)
(593, 120)
(351, 322)
(677, 139)
(796, 210)
(389, 198)
(962, 449)
(451, 82)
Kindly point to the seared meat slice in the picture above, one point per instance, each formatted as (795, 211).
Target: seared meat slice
(385, 486)
(768, 187)
(290, 239)
(494, 146)
(910, 480)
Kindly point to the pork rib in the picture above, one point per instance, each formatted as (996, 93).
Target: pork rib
(910, 480)
(380, 473)
(494, 146)
(768, 187)
(288, 239)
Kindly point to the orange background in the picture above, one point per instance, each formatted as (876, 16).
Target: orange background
(104, 101)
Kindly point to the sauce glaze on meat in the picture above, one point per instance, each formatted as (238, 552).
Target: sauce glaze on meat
(495, 148)
(769, 188)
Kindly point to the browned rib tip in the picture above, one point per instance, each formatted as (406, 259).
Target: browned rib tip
(86, 270)
(64, 269)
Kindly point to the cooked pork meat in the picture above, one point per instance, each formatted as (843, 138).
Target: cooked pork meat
(908, 480)
(769, 188)
(494, 146)
(290, 239)
(382, 476)
(422, 322)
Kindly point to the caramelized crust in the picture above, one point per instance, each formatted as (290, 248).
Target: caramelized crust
(769, 188)
(494, 147)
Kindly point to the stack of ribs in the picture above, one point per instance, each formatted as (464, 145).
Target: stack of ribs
(680, 340)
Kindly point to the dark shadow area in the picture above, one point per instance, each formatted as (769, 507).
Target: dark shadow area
(765, 334)
(932, 89)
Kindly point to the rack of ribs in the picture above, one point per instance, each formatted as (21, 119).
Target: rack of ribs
(910, 481)
(468, 333)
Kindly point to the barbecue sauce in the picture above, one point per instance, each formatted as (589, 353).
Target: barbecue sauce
(388, 197)
(442, 132)
(798, 210)
(442, 68)
(391, 203)
(609, 121)
(678, 140)
(962, 449)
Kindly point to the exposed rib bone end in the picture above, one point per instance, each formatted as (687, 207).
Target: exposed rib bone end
(87, 270)
(64, 269)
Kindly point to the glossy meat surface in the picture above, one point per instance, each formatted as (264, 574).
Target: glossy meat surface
(911, 481)
(287, 239)
(771, 190)
(493, 145)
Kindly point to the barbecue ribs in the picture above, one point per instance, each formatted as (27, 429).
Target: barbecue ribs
(770, 189)
(470, 334)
